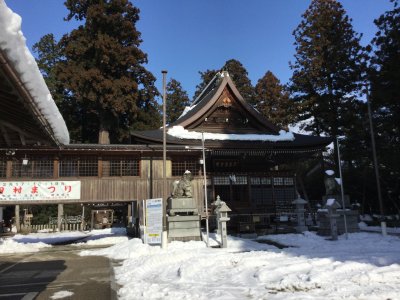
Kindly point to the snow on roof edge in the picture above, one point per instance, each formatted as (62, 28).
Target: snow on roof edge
(182, 133)
(13, 44)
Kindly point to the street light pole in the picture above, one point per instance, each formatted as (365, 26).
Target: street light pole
(342, 189)
(378, 185)
(205, 188)
(164, 238)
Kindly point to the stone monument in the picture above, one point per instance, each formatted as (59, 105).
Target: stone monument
(183, 216)
(301, 222)
(333, 215)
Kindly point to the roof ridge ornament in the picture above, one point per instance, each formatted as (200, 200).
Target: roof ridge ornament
(223, 74)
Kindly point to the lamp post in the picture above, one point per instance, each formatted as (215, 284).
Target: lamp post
(342, 188)
(164, 237)
(378, 185)
(205, 187)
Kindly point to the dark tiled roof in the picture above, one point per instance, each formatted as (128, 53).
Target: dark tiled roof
(301, 141)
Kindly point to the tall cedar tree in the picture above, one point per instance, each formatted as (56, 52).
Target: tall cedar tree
(385, 99)
(49, 55)
(328, 68)
(238, 75)
(177, 100)
(103, 69)
(273, 101)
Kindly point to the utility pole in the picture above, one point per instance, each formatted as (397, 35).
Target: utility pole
(205, 189)
(378, 185)
(342, 188)
(164, 238)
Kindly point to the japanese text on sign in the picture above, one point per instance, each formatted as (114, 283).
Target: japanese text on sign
(153, 229)
(39, 190)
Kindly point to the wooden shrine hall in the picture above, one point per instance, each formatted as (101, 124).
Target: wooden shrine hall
(249, 161)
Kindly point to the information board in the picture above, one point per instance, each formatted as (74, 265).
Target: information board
(153, 229)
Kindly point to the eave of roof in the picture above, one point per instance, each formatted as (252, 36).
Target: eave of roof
(300, 142)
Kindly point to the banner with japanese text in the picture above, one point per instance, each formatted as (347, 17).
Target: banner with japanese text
(39, 190)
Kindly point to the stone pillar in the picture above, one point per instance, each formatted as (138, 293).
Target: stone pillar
(223, 210)
(332, 205)
(301, 223)
(129, 214)
(59, 216)
(17, 221)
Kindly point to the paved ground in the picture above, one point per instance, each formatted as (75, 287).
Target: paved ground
(40, 275)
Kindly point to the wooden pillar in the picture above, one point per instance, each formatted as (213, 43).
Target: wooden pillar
(56, 167)
(60, 215)
(17, 222)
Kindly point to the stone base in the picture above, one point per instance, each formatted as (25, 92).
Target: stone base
(324, 227)
(184, 228)
(178, 206)
(338, 198)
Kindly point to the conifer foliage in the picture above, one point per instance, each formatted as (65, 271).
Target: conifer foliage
(385, 98)
(273, 101)
(102, 69)
(328, 67)
(177, 100)
(239, 76)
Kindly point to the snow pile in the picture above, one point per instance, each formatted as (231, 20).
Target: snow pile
(61, 295)
(13, 45)
(366, 266)
(50, 238)
(182, 133)
(11, 246)
(33, 242)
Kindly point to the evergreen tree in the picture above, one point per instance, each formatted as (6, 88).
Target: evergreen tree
(206, 77)
(103, 69)
(385, 100)
(328, 68)
(177, 100)
(49, 55)
(273, 101)
(238, 75)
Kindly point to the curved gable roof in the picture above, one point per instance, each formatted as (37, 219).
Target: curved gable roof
(203, 104)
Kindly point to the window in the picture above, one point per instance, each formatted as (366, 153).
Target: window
(83, 167)
(221, 180)
(180, 166)
(35, 168)
(120, 167)
(261, 193)
(3, 168)
(288, 181)
(226, 164)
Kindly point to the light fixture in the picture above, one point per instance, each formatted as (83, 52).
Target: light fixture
(25, 161)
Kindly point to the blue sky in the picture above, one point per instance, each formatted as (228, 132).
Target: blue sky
(188, 36)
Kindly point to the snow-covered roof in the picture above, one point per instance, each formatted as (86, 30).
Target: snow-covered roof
(13, 46)
(182, 133)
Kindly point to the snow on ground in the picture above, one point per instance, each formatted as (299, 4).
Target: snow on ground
(366, 266)
(61, 295)
(35, 241)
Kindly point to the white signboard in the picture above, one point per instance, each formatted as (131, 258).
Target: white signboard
(153, 229)
(39, 190)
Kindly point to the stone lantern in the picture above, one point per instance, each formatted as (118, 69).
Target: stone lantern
(222, 217)
(301, 224)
